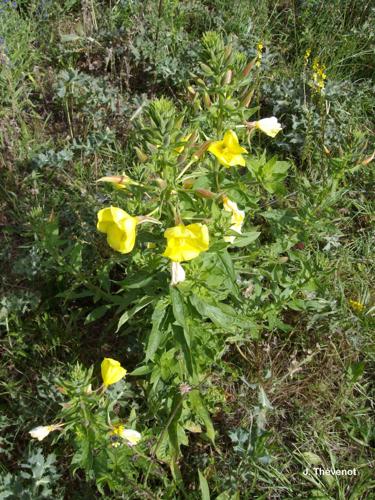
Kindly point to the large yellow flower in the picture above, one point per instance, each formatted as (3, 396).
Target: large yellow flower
(228, 151)
(112, 371)
(237, 218)
(120, 228)
(186, 242)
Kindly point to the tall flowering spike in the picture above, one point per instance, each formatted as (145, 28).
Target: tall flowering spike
(228, 151)
(112, 371)
(186, 242)
(237, 218)
(119, 227)
(269, 126)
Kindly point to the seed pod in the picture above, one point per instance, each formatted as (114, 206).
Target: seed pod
(249, 67)
(227, 77)
(202, 149)
(247, 98)
(205, 193)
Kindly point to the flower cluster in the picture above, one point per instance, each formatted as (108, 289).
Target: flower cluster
(356, 305)
(318, 76)
(259, 54)
(184, 242)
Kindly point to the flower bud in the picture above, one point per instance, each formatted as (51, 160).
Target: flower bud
(188, 183)
(207, 100)
(142, 157)
(227, 77)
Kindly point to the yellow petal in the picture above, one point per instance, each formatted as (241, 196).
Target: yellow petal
(231, 142)
(112, 371)
(186, 242)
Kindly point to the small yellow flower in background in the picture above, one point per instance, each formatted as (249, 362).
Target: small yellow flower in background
(112, 371)
(259, 54)
(270, 126)
(186, 242)
(178, 274)
(318, 76)
(131, 436)
(42, 431)
(228, 151)
(356, 306)
(306, 57)
(237, 218)
(120, 228)
(150, 245)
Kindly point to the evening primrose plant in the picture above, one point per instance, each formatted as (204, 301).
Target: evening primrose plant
(195, 180)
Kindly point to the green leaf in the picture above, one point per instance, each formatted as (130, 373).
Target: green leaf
(156, 333)
(97, 313)
(141, 370)
(245, 239)
(222, 315)
(144, 302)
(182, 315)
(203, 485)
(197, 405)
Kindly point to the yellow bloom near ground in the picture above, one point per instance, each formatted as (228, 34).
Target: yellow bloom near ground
(120, 228)
(186, 242)
(112, 371)
(228, 151)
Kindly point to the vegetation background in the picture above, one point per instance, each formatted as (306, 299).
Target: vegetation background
(72, 75)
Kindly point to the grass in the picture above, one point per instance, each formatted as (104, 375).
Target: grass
(72, 76)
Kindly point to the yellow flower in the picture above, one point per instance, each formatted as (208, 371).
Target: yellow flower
(228, 151)
(42, 431)
(186, 242)
(131, 436)
(112, 371)
(356, 306)
(269, 126)
(259, 54)
(237, 218)
(120, 228)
